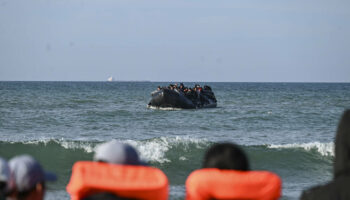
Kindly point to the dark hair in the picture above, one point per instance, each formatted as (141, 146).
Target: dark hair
(2, 190)
(3, 185)
(226, 156)
(206, 87)
(105, 196)
(24, 194)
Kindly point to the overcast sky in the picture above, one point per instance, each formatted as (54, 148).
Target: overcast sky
(178, 40)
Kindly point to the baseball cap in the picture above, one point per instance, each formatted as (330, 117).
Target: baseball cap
(117, 153)
(27, 172)
(5, 174)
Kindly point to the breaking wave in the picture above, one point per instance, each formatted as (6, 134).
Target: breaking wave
(325, 149)
(159, 150)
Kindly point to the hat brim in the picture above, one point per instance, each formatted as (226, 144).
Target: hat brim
(49, 176)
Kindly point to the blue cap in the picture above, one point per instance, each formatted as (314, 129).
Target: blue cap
(5, 174)
(27, 172)
(4, 171)
(117, 153)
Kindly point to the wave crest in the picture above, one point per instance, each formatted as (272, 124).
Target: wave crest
(153, 150)
(156, 149)
(325, 149)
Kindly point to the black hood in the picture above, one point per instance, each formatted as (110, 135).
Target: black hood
(342, 146)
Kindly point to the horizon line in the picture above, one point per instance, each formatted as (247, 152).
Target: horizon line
(163, 81)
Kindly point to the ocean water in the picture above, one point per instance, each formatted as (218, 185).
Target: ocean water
(287, 128)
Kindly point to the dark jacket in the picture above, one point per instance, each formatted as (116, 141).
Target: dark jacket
(339, 187)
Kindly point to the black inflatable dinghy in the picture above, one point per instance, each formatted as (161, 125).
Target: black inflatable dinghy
(173, 98)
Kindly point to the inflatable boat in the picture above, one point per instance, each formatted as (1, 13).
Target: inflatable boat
(170, 98)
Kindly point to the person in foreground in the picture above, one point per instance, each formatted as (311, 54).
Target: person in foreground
(29, 178)
(116, 173)
(5, 179)
(226, 175)
(339, 187)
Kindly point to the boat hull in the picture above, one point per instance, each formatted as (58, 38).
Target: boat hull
(169, 98)
(166, 98)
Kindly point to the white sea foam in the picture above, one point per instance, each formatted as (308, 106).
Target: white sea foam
(87, 147)
(182, 158)
(149, 150)
(36, 142)
(325, 149)
(152, 150)
(155, 149)
(161, 108)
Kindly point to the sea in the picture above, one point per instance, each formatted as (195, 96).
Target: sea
(286, 128)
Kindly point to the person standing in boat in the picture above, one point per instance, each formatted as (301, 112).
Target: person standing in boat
(181, 87)
(176, 87)
(198, 89)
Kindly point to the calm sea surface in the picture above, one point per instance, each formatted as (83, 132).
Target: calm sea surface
(287, 128)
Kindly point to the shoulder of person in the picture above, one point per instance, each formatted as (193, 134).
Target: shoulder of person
(319, 192)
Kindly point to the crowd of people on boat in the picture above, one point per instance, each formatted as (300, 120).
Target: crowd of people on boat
(117, 172)
(198, 95)
(182, 88)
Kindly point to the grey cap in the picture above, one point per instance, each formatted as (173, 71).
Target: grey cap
(27, 172)
(117, 153)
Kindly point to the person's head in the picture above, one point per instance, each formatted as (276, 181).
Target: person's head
(342, 146)
(117, 153)
(206, 87)
(105, 196)
(29, 178)
(226, 156)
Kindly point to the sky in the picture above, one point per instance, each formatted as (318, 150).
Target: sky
(175, 40)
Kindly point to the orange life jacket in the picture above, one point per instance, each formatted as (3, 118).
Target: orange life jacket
(128, 181)
(212, 183)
